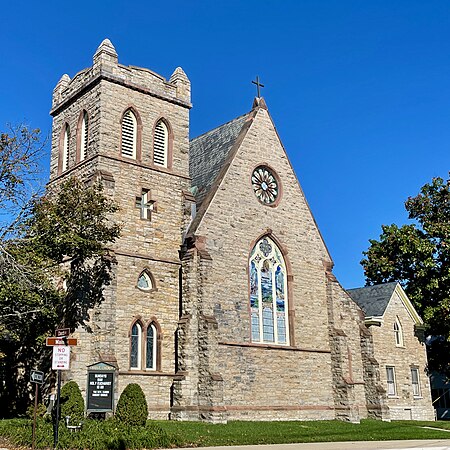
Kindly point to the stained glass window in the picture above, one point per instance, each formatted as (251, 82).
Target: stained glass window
(150, 362)
(144, 281)
(265, 185)
(268, 293)
(135, 350)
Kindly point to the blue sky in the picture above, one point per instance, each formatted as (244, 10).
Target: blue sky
(359, 90)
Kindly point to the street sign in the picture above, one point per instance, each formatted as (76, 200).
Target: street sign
(61, 357)
(62, 332)
(37, 377)
(50, 341)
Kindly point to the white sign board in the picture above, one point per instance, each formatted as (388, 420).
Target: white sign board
(61, 357)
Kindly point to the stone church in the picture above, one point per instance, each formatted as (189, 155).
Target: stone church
(224, 305)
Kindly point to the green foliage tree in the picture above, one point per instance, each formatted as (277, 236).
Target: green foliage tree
(72, 403)
(54, 263)
(132, 406)
(71, 227)
(417, 255)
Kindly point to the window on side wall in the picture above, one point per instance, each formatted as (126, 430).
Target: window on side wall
(136, 346)
(268, 294)
(161, 144)
(129, 134)
(391, 388)
(65, 149)
(84, 136)
(398, 333)
(415, 381)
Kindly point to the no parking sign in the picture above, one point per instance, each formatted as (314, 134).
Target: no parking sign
(61, 357)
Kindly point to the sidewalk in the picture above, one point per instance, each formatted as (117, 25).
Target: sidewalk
(429, 444)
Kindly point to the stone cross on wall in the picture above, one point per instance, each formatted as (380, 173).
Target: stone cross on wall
(145, 204)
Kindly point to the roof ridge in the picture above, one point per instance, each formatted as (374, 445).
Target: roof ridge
(373, 285)
(220, 126)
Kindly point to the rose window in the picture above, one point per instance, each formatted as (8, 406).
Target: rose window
(265, 185)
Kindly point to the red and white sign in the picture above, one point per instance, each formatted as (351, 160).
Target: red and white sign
(61, 357)
(60, 341)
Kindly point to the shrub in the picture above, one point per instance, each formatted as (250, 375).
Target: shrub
(72, 403)
(132, 407)
(95, 435)
(40, 410)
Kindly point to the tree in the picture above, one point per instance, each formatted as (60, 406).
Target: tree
(54, 264)
(71, 227)
(417, 255)
(20, 152)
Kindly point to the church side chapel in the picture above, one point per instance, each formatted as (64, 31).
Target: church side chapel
(223, 305)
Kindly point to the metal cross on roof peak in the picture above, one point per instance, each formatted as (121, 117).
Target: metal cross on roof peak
(258, 85)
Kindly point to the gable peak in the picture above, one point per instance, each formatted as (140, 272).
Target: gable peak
(259, 102)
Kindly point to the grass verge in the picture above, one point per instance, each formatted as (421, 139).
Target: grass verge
(248, 433)
(113, 435)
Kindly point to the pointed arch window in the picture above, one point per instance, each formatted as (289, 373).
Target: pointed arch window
(129, 134)
(268, 293)
(150, 350)
(161, 144)
(65, 149)
(136, 346)
(398, 333)
(145, 281)
(84, 135)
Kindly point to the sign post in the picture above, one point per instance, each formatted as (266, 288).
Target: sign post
(60, 361)
(37, 378)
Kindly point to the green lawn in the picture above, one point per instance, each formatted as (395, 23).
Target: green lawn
(114, 436)
(246, 433)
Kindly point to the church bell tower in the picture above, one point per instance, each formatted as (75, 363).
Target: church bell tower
(129, 128)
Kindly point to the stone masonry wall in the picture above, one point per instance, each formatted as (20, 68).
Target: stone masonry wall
(105, 91)
(412, 354)
(263, 381)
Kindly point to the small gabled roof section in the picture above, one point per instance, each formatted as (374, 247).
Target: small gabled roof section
(208, 152)
(374, 300)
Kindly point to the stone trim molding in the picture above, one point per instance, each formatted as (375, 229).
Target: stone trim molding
(103, 75)
(147, 373)
(119, 159)
(280, 408)
(149, 258)
(145, 166)
(273, 347)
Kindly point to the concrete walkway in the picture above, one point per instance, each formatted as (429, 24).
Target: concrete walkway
(429, 444)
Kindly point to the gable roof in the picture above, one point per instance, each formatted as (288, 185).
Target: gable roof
(373, 300)
(208, 152)
(211, 154)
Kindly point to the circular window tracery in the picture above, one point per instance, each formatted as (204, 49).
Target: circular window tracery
(265, 185)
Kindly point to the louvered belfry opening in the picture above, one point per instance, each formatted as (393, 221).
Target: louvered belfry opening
(84, 135)
(129, 126)
(65, 164)
(160, 144)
